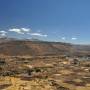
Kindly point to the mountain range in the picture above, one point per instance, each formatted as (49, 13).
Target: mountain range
(35, 47)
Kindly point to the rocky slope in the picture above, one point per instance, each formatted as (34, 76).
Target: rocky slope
(27, 47)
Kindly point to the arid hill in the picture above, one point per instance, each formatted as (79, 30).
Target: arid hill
(27, 47)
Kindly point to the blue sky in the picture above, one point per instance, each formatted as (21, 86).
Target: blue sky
(53, 20)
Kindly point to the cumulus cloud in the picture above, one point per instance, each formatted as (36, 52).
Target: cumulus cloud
(27, 31)
(20, 30)
(16, 30)
(73, 38)
(3, 33)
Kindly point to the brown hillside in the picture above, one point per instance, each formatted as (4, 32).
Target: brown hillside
(18, 47)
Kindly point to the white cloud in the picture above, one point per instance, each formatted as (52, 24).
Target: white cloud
(25, 29)
(38, 34)
(74, 38)
(3, 33)
(20, 30)
(16, 30)
(63, 38)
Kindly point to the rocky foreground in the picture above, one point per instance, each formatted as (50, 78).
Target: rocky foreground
(44, 73)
